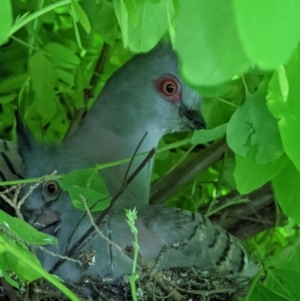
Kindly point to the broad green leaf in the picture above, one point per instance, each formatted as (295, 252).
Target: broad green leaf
(272, 44)
(289, 259)
(89, 184)
(284, 282)
(108, 28)
(265, 294)
(132, 12)
(24, 231)
(283, 102)
(249, 175)
(6, 20)
(287, 191)
(208, 43)
(43, 84)
(254, 119)
(122, 16)
(204, 136)
(146, 33)
(216, 112)
(61, 56)
(82, 18)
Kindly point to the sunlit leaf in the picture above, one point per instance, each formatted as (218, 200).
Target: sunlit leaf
(6, 20)
(89, 184)
(287, 191)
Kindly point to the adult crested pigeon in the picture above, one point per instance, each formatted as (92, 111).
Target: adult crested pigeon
(145, 96)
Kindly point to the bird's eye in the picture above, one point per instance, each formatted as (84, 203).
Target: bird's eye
(169, 87)
(51, 188)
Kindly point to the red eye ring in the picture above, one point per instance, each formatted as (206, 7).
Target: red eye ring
(51, 188)
(169, 87)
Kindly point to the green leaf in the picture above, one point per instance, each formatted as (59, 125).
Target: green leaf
(254, 119)
(289, 259)
(24, 231)
(43, 84)
(283, 102)
(204, 136)
(281, 30)
(89, 184)
(263, 293)
(3, 267)
(19, 265)
(12, 83)
(81, 16)
(284, 282)
(208, 42)
(16, 257)
(108, 28)
(122, 16)
(146, 33)
(287, 191)
(61, 56)
(7, 98)
(6, 20)
(132, 12)
(216, 112)
(249, 175)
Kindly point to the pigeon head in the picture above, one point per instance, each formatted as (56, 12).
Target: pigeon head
(155, 93)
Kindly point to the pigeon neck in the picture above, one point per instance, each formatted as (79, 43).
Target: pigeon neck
(106, 136)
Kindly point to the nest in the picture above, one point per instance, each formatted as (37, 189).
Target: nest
(177, 284)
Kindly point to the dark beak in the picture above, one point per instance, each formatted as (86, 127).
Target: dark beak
(192, 118)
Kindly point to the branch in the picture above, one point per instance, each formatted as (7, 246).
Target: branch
(163, 189)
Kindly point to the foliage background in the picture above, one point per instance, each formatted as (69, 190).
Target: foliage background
(243, 56)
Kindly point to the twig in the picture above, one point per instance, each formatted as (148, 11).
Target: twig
(95, 226)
